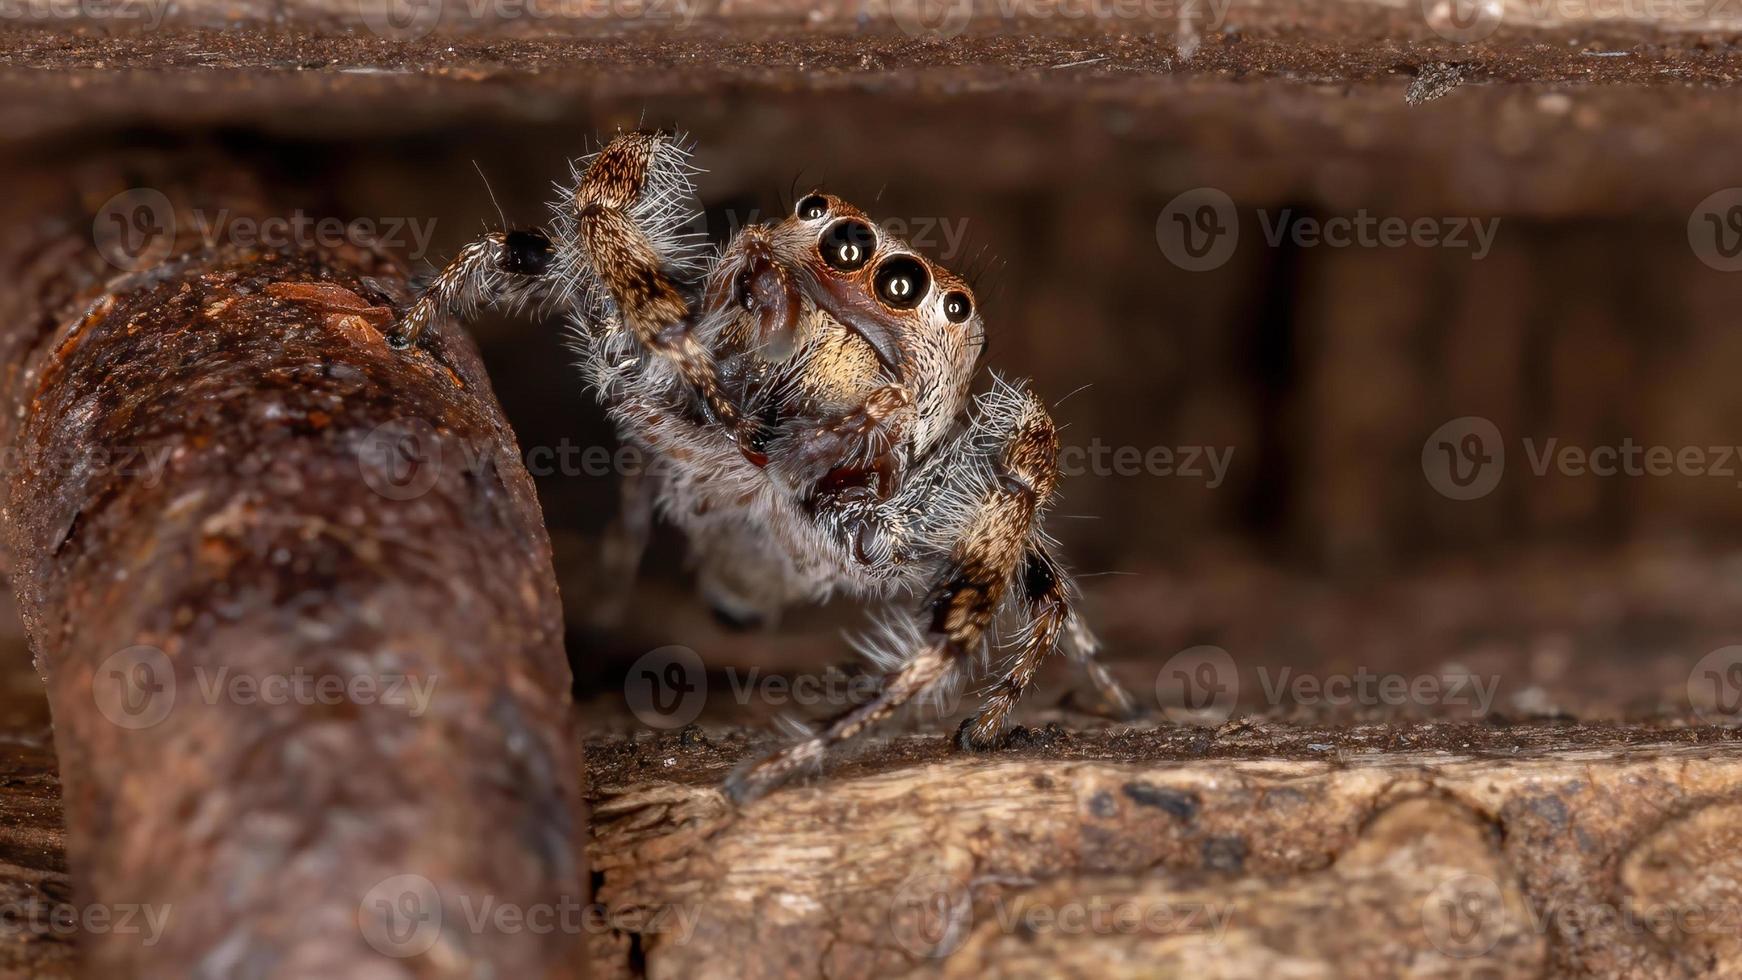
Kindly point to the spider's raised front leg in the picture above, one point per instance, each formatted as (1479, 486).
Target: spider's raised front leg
(994, 519)
(625, 207)
(500, 267)
(618, 237)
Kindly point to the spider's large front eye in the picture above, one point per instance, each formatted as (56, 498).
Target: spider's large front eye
(902, 282)
(957, 306)
(813, 207)
(848, 245)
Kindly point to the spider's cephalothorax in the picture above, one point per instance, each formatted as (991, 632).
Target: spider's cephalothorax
(805, 393)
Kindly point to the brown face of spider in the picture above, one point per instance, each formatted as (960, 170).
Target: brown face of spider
(819, 312)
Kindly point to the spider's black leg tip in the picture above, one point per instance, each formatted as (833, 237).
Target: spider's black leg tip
(964, 740)
(740, 790)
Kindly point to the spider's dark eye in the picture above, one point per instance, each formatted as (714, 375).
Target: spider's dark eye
(902, 282)
(957, 306)
(848, 245)
(813, 207)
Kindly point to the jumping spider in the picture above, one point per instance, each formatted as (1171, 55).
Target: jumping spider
(808, 399)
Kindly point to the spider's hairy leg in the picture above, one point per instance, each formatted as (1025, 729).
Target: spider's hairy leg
(501, 266)
(1084, 649)
(621, 256)
(931, 664)
(982, 564)
(1046, 599)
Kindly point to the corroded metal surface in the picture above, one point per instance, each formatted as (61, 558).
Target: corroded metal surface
(292, 599)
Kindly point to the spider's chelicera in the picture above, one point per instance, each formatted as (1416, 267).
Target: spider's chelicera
(806, 392)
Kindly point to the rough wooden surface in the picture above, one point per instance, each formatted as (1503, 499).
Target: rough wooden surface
(1256, 850)
(1251, 851)
(292, 602)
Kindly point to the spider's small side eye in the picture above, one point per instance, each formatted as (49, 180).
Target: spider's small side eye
(848, 245)
(957, 306)
(813, 207)
(902, 282)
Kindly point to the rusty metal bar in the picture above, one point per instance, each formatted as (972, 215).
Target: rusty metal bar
(292, 598)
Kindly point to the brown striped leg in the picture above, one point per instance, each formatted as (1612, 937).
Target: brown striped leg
(622, 256)
(1053, 618)
(1049, 610)
(497, 266)
(1085, 649)
(930, 665)
(962, 607)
